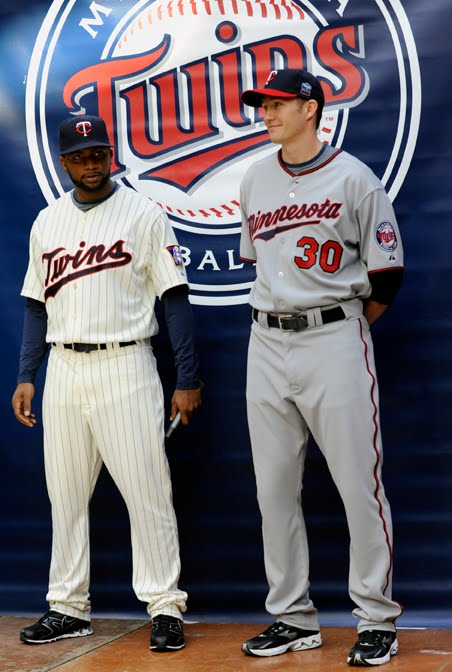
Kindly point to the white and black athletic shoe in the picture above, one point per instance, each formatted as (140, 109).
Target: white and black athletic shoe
(279, 638)
(53, 626)
(374, 647)
(167, 633)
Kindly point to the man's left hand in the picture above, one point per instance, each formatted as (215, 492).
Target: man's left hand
(185, 402)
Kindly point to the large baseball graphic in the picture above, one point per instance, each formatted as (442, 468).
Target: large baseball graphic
(208, 61)
(167, 76)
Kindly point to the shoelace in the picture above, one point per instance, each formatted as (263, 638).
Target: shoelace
(369, 637)
(275, 629)
(165, 621)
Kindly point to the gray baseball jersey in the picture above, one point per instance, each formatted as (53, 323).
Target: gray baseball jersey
(315, 236)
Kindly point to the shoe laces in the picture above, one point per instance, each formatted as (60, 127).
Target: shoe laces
(371, 637)
(275, 628)
(163, 620)
(51, 614)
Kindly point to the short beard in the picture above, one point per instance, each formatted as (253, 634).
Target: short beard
(87, 188)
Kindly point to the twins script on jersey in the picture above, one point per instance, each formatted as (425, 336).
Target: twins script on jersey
(93, 268)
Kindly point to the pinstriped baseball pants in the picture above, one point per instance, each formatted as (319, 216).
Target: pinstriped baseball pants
(107, 406)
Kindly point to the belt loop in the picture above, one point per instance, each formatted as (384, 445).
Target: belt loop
(262, 318)
(112, 346)
(316, 315)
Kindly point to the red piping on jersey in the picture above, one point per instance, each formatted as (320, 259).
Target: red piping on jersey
(310, 170)
(378, 456)
(380, 270)
(250, 261)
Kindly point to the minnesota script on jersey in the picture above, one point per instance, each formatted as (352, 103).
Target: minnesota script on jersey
(315, 236)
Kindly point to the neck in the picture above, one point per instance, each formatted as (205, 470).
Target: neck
(302, 150)
(91, 196)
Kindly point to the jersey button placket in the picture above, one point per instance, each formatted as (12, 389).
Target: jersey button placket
(293, 188)
(73, 299)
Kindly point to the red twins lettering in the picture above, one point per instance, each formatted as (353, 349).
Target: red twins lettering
(111, 76)
(96, 258)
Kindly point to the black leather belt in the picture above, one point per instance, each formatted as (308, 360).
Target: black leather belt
(298, 322)
(89, 347)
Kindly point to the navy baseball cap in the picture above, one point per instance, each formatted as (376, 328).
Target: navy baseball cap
(81, 132)
(288, 83)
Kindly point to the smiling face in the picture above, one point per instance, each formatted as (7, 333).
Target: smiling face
(89, 170)
(292, 123)
(285, 118)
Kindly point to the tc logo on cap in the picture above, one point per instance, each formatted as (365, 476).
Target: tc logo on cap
(271, 76)
(84, 128)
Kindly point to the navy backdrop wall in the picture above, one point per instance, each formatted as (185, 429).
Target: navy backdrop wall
(387, 67)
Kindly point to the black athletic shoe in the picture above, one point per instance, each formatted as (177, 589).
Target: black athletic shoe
(167, 633)
(53, 626)
(279, 638)
(374, 647)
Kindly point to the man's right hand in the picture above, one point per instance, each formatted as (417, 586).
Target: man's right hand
(21, 402)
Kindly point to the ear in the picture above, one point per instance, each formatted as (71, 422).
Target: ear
(63, 163)
(311, 109)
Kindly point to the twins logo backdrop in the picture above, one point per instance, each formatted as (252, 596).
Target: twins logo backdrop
(167, 77)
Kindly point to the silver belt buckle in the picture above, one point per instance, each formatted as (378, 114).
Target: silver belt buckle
(281, 323)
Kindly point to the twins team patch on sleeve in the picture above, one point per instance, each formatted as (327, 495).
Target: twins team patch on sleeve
(175, 252)
(386, 237)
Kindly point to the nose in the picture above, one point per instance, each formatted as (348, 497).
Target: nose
(90, 160)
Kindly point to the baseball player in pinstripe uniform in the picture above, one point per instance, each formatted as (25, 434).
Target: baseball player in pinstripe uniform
(322, 232)
(99, 257)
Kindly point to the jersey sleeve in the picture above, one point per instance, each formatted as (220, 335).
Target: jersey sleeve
(34, 282)
(381, 243)
(247, 251)
(163, 255)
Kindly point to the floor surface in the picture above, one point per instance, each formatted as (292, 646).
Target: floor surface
(122, 645)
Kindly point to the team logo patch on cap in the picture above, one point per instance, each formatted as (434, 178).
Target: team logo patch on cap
(84, 128)
(386, 237)
(175, 252)
(305, 90)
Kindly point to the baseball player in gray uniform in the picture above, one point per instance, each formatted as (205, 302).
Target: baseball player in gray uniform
(99, 257)
(322, 232)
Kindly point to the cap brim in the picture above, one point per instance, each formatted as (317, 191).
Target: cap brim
(253, 97)
(84, 145)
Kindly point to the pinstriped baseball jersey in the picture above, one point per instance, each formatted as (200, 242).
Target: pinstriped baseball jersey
(99, 271)
(315, 235)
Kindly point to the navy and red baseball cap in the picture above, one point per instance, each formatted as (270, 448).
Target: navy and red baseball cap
(289, 83)
(81, 132)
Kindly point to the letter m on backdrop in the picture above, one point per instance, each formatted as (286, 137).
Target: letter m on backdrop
(88, 24)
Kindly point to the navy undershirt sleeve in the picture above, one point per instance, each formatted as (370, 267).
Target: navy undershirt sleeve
(34, 347)
(181, 331)
(385, 285)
